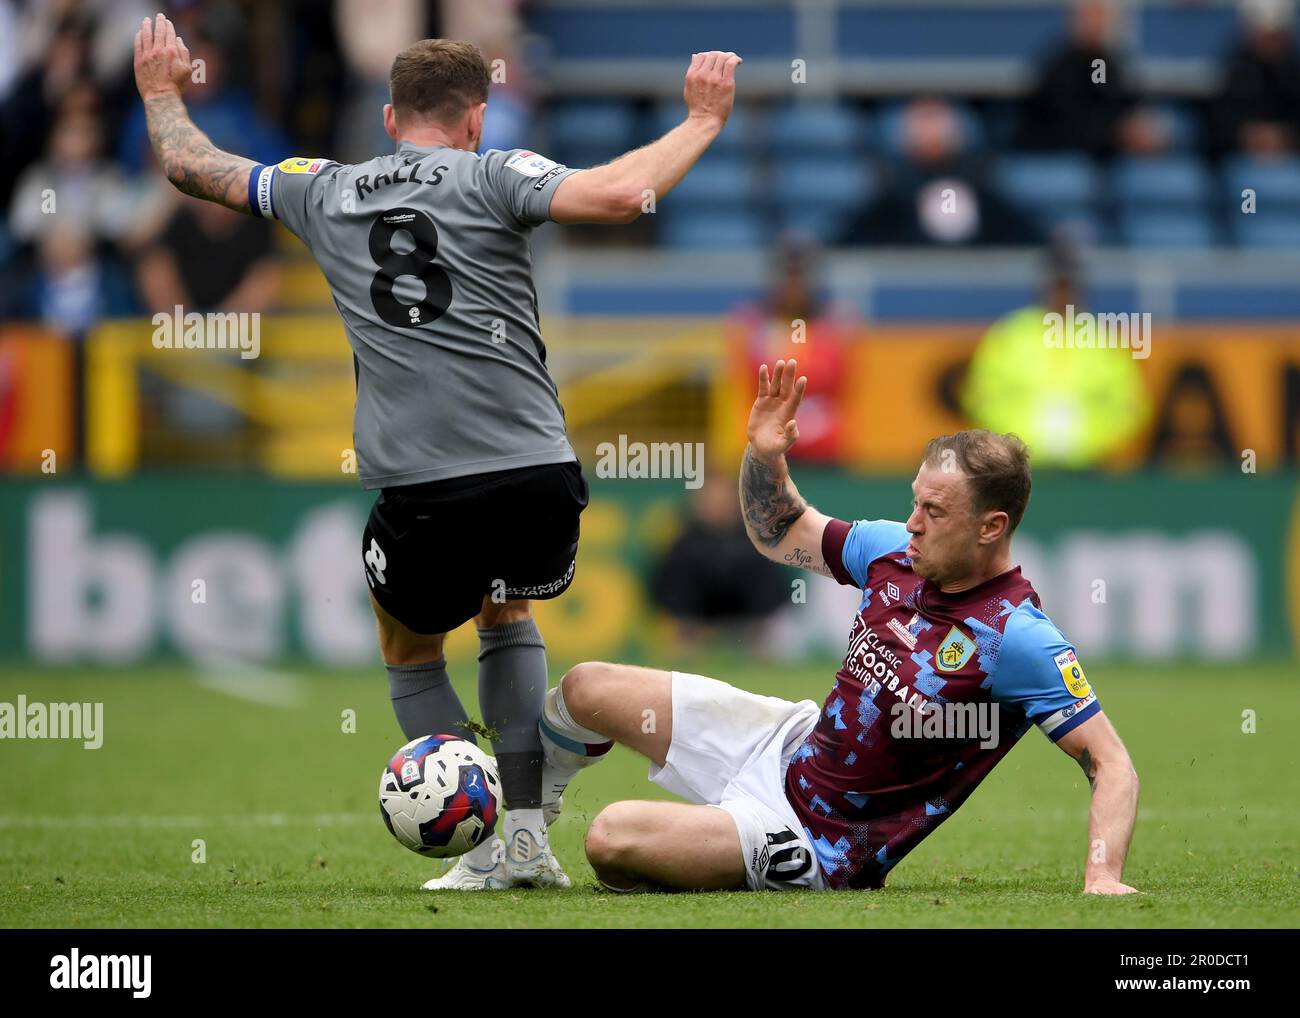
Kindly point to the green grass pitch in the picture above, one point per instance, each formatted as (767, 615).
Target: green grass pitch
(285, 804)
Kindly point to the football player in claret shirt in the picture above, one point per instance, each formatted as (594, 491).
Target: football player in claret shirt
(950, 661)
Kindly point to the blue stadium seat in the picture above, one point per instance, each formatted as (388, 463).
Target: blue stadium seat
(740, 135)
(1166, 228)
(1055, 178)
(1184, 31)
(1059, 189)
(633, 31)
(953, 31)
(1276, 182)
(1162, 182)
(713, 230)
(824, 181)
(588, 132)
(816, 196)
(817, 127)
(1272, 230)
(718, 181)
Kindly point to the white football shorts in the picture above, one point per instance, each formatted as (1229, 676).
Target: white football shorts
(730, 749)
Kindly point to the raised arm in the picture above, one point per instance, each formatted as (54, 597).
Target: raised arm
(188, 157)
(780, 523)
(616, 192)
(1097, 748)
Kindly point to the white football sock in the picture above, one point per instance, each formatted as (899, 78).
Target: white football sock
(555, 713)
(568, 746)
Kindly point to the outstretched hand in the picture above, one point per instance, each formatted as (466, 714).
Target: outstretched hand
(773, 429)
(162, 61)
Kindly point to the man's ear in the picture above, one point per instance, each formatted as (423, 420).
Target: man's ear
(476, 115)
(994, 527)
(390, 121)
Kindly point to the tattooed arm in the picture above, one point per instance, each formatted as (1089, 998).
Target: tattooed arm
(1097, 748)
(191, 161)
(782, 525)
(187, 156)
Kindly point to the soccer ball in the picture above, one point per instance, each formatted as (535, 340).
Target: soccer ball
(439, 795)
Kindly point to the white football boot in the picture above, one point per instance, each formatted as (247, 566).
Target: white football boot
(461, 876)
(524, 867)
(464, 877)
(530, 864)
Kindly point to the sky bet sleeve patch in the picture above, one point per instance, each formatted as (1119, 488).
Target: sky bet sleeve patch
(1072, 673)
(530, 164)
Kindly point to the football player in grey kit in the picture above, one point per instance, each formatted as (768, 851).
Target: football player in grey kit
(458, 424)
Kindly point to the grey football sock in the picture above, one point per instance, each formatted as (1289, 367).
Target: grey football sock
(425, 702)
(511, 690)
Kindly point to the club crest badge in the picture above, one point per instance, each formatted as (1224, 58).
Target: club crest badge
(954, 651)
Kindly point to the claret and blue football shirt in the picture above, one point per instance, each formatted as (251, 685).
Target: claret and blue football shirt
(872, 779)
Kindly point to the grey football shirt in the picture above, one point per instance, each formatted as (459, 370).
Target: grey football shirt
(427, 257)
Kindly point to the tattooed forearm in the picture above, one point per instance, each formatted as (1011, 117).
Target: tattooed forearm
(770, 508)
(802, 559)
(189, 158)
(1089, 770)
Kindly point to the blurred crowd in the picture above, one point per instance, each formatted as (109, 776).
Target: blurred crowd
(307, 77)
(1086, 99)
(91, 228)
(92, 231)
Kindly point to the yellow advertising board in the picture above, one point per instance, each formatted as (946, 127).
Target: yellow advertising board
(1219, 393)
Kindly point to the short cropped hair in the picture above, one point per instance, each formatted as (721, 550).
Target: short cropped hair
(996, 466)
(438, 79)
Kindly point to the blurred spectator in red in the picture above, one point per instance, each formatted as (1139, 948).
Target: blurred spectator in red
(796, 320)
(8, 398)
(209, 258)
(937, 193)
(1259, 109)
(710, 580)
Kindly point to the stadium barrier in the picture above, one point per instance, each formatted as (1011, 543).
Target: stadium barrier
(1217, 392)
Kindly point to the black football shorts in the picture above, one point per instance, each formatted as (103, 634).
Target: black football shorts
(433, 551)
